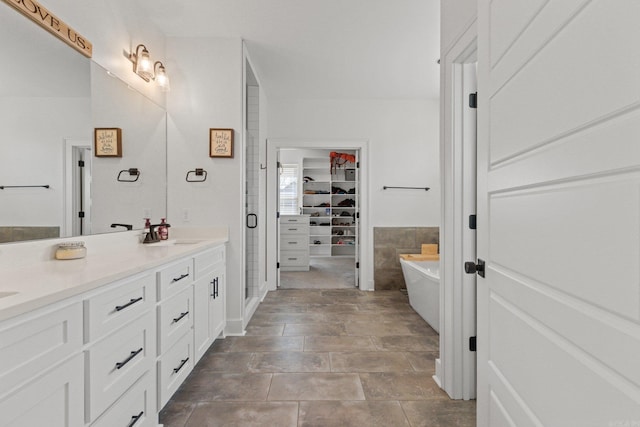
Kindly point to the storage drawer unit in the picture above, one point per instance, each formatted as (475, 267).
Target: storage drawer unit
(174, 367)
(175, 318)
(118, 361)
(174, 277)
(136, 407)
(294, 243)
(119, 305)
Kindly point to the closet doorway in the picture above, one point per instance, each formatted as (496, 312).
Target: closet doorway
(318, 214)
(362, 257)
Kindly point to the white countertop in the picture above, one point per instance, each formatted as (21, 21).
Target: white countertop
(44, 282)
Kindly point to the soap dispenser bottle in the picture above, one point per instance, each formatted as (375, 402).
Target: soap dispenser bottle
(163, 230)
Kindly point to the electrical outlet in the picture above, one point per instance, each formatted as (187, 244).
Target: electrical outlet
(186, 215)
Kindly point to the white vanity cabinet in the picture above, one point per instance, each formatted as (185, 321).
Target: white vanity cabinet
(42, 368)
(209, 292)
(113, 353)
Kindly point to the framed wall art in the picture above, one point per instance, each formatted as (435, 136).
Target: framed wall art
(108, 142)
(221, 143)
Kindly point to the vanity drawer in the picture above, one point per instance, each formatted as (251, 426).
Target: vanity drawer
(174, 277)
(208, 259)
(302, 229)
(173, 368)
(36, 342)
(117, 306)
(293, 220)
(294, 242)
(136, 407)
(175, 318)
(117, 361)
(294, 259)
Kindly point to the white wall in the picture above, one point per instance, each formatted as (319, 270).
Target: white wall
(456, 16)
(403, 138)
(206, 92)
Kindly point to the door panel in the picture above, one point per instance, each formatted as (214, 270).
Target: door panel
(559, 214)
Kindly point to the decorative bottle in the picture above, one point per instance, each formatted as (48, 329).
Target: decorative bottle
(163, 230)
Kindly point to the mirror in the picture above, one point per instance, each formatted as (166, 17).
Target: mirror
(51, 99)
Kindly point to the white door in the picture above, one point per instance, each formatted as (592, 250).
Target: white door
(559, 213)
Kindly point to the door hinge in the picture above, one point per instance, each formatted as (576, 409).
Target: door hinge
(277, 265)
(357, 215)
(473, 100)
(472, 222)
(277, 214)
(358, 264)
(472, 343)
(80, 163)
(279, 165)
(81, 214)
(357, 165)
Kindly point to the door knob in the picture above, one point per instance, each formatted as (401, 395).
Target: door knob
(471, 267)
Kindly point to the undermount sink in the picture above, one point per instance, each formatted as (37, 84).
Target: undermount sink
(172, 242)
(7, 294)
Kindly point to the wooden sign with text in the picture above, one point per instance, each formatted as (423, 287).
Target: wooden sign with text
(47, 20)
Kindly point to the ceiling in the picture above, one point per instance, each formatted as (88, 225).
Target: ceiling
(326, 49)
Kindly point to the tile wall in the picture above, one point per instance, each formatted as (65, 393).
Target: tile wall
(388, 243)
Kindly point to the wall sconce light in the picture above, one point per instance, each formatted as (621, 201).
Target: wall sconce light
(148, 70)
(161, 77)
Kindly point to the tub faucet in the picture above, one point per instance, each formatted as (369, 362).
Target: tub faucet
(127, 226)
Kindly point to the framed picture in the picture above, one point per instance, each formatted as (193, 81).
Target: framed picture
(221, 143)
(108, 142)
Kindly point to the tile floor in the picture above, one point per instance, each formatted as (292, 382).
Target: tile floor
(321, 358)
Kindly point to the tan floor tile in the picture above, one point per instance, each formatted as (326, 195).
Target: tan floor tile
(379, 328)
(316, 387)
(270, 318)
(372, 361)
(407, 343)
(351, 414)
(423, 361)
(253, 414)
(252, 344)
(176, 414)
(290, 361)
(264, 330)
(441, 413)
(339, 344)
(315, 329)
(208, 386)
(224, 362)
(400, 386)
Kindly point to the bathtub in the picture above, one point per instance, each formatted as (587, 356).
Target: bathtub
(423, 286)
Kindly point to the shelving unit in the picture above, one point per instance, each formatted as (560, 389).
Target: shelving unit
(331, 200)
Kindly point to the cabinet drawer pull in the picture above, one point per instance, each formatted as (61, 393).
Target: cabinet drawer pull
(293, 229)
(135, 419)
(179, 318)
(182, 362)
(292, 259)
(176, 279)
(292, 220)
(131, 302)
(214, 284)
(128, 359)
(292, 243)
